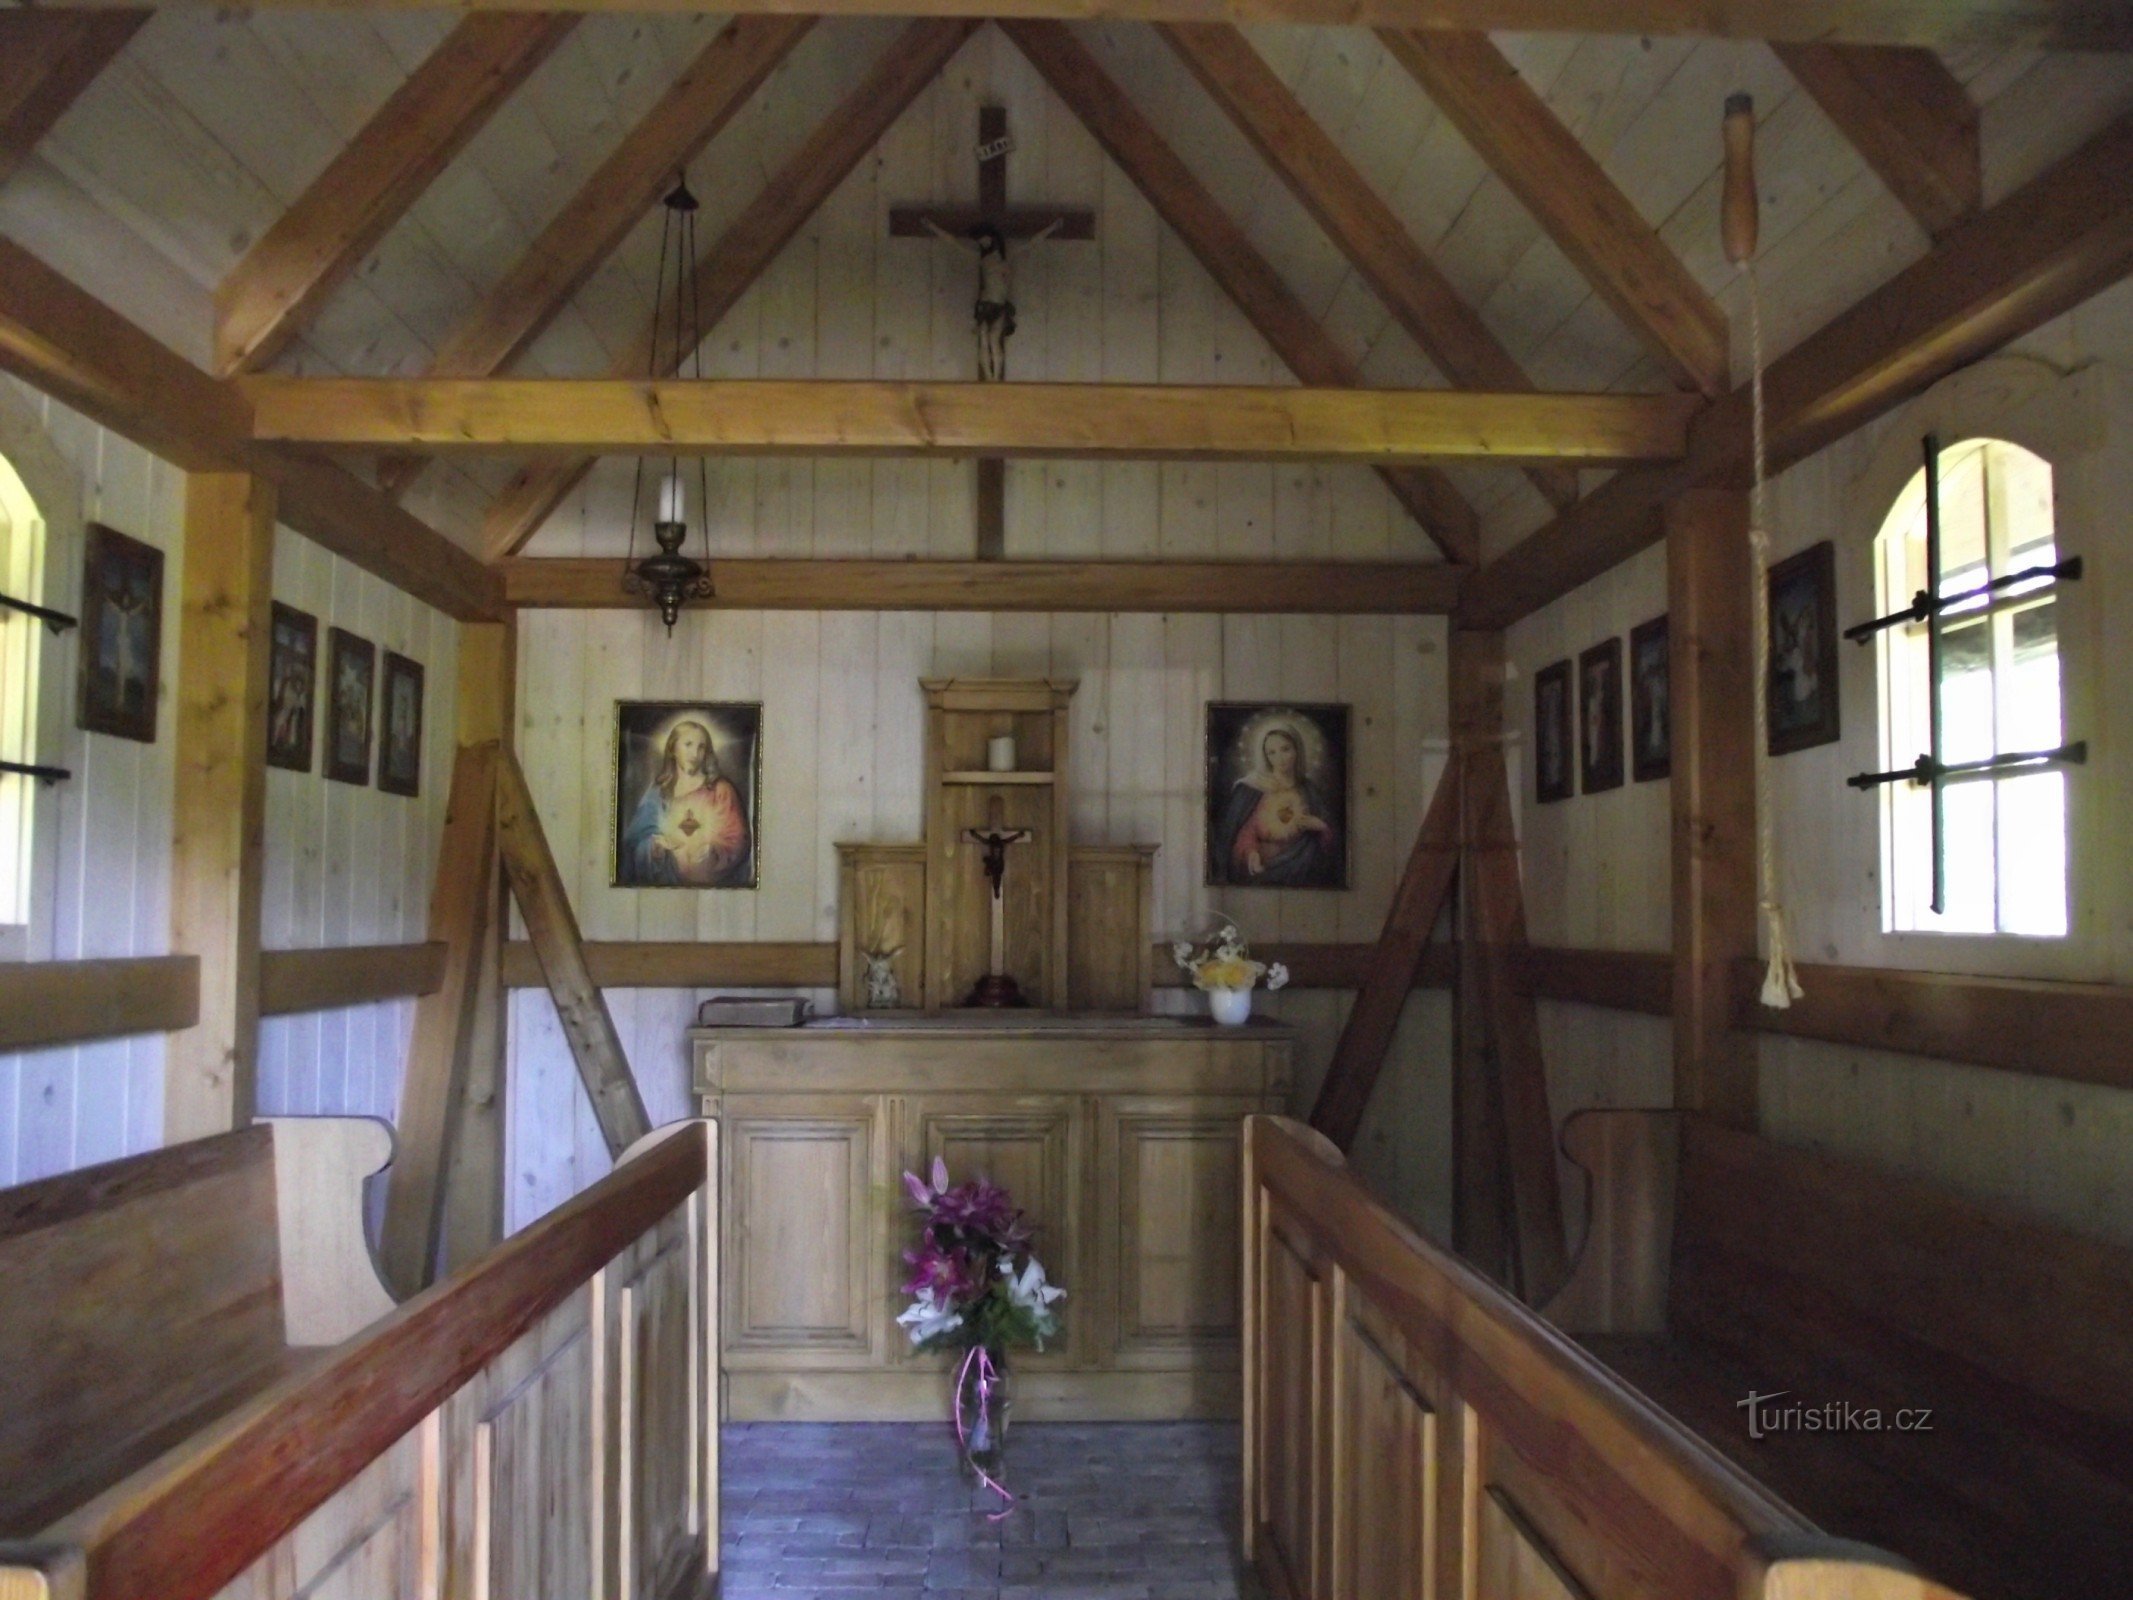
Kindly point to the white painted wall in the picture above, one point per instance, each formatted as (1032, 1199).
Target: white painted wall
(343, 866)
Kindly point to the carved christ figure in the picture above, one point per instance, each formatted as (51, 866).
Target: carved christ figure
(993, 316)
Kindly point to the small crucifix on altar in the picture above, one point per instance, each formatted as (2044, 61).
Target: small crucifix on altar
(990, 231)
(996, 988)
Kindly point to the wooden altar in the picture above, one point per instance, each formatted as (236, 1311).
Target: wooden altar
(1120, 1135)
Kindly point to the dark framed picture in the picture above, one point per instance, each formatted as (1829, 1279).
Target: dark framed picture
(400, 738)
(351, 670)
(1551, 732)
(121, 635)
(688, 780)
(1651, 709)
(1277, 795)
(292, 688)
(1803, 650)
(1600, 717)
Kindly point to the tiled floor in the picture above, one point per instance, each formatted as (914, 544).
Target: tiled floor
(1112, 1512)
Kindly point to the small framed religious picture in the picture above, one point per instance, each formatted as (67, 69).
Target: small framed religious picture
(1551, 733)
(400, 727)
(1803, 650)
(292, 688)
(1600, 717)
(688, 780)
(121, 635)
(1651, 714)
(1277, 795)
(351, 672)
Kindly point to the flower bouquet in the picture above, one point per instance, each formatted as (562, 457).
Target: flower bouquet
(976, 1287)
(1221, 966)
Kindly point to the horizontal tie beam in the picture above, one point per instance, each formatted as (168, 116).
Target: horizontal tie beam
(575, 417)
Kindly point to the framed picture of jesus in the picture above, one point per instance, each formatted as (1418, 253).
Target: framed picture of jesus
(688, 780)
(1277, 796)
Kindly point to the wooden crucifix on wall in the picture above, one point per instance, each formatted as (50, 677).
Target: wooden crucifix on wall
(990, 231)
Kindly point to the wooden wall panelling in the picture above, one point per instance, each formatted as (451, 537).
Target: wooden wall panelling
(272, 295)
(1110, 959)
(1385, 1482)
(1168, 1182)
(462, 901)
(1711, 599)
(657, 1543)
(51, 58)
(545, 904)
(210, 1080)
(1294, 1292)
(1480, 1178)
(881, 909)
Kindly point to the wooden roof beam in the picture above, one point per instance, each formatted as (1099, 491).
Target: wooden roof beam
(2043, 24)
(1588, 217)
(1360, 224)
(2050, 245)
(1307, 588)
(1230, 258)
(47, 58)
(754, 238)
(274, 294)
(1907, 116)
(595, 221)
(872, 417)
(78, 350)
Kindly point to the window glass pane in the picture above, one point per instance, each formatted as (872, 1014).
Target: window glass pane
(1966, 697)
(1969, 869)
(2033, 854)
(2030, 705)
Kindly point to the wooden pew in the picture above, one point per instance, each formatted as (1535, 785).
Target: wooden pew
(1985, 1358)
(1413, 1433)
(219, 1400)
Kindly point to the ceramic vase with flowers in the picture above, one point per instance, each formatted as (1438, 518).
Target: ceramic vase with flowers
(1221, 967)
(977, 1288)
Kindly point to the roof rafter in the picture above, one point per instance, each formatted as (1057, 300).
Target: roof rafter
(2045, 24)
(595, 221)
(1591, 221)
(1360, 224)
(271, 296)
(1230, 258)
(47, 58)
(1907, 116)
(65, 342)
(2050, 245)
(754, 238)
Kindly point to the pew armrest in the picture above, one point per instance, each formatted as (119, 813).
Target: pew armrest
(330, 1286)
(1631, 1161)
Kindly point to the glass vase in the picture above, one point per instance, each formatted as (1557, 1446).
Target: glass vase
(983, 1401)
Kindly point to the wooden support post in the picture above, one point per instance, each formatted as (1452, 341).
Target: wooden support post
(1540, 1258)
(553, 929)
(219, 803)
(1480, 1205)
(474, 1182)
(1710, 604)
(1424, 888)
(461, 911)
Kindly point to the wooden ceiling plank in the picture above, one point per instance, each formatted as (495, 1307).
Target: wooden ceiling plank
(754, 238)
(1230, 258)
(2061, 238)
(1591, 221)
(73, 347)
(1908, 118)
(47, 59)
(875, 417)
(595, 221)
(1316, 588)
(271, 296)
(1358, 221)
(2040, 24)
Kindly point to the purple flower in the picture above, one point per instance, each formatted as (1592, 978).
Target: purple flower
(921, 1192)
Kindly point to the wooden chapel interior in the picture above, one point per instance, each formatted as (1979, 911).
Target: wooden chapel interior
(1378, 354)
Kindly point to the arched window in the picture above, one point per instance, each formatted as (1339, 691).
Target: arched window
(22, 575)
(2005, 850)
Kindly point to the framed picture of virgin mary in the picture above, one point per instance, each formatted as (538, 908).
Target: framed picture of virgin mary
(1277, 796)
(688, 779)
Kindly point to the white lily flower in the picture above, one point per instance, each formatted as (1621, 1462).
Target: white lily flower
(1276, 976)
(928, 1317)
(1029, 1288)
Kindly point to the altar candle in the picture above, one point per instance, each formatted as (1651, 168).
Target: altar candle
(1000, 753)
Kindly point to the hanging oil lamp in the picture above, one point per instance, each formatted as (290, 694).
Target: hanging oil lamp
(672, 578)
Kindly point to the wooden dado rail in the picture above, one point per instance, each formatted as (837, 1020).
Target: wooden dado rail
(536, 1428)
(1411, 1431)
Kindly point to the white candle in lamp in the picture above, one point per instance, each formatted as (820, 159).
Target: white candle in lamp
(673, 500)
